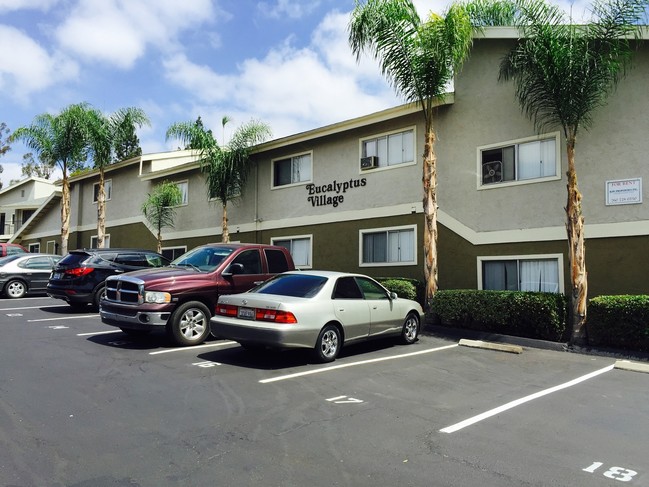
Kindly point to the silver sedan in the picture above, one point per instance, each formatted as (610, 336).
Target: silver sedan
(319, 310)
(25, 272)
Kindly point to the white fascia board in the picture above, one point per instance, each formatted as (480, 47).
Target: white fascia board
(340, 127)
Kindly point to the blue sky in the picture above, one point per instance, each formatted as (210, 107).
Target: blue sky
(284, 62)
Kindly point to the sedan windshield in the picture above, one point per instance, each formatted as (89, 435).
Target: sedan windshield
(205, 259)
(296, 285)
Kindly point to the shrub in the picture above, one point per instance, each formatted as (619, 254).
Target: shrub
(405, 288)
(619, 322)
(524, 314)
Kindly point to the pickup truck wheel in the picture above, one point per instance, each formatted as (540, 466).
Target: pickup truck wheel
(96, 298)
(189, 324)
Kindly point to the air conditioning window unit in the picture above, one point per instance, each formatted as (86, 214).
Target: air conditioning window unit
(369, 162)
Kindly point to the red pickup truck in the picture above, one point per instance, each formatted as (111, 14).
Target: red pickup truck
(181, 298)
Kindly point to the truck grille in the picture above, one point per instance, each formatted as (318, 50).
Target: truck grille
(126, 290)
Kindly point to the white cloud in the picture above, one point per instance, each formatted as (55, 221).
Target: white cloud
(9, 5)
(287, 8)
(10, 171)
(30, 68)
(292, 89)
(199, 80)
(118, 32)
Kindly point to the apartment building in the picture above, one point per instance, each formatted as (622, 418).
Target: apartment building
(348, 196)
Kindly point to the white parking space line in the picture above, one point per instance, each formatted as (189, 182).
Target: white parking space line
(189, 349)
(354, 364)
(523, 400)
(64, 318)
(98, 333)
(33, 307)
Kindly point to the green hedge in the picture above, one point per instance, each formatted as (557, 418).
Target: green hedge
(524, 314)
(619, 322)
(405, 288)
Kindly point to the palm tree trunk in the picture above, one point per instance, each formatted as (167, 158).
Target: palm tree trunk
(225, 237)
(65, 213)
(430, 213)
(159, 241)
(576, 251)
(101, 210)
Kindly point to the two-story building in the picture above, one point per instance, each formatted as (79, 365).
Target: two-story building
(19, 205)
(348, 196)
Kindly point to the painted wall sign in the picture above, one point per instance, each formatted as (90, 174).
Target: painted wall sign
(332, 193)
(624, 191)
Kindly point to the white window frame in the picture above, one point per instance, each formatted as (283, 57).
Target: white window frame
(517, 258)
(50, 247)
(536, 138)
(185, 194)
(289, 185)
(184, 247)
(364, 140)
(365, 231)
(108, 189)
(94, 238)
(298, 237)
(34, 248)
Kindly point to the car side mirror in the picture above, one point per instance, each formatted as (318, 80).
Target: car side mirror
(392, 295)
(233, 269)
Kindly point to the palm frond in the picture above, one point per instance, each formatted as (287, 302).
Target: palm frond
(417, 58)
(563, 72)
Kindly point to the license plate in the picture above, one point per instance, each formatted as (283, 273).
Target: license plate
(246, 313)
(56, 275)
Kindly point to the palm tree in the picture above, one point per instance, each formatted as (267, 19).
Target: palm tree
(419, 59)
(62, 139)
(160, 207)
(225, 167)
(562, 72)
(104, 134)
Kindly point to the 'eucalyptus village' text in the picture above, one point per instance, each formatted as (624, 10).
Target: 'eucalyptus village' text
(318, 193)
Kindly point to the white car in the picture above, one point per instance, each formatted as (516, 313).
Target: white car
(319, 310)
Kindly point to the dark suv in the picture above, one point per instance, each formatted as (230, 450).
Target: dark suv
(79, 277)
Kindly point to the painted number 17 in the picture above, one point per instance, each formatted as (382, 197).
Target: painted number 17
(615, 473)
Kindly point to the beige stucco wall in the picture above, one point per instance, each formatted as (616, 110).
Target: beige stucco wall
(486, 112)
(336, 159)
(33, 189)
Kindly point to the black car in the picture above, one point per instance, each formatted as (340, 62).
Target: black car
(79, 277)
(25, 273)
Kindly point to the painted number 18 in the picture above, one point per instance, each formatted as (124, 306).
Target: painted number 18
(615, 473)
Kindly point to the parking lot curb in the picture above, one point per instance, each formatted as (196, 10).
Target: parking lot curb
(633, 366)
(462, 333)
(491, 346)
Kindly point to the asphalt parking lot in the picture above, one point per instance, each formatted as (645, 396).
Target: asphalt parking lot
(84, 405)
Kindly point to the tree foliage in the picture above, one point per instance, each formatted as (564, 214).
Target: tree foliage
(127, 143)
(4, 144)
(419, 59)
(225, 167)
(160, 207)
(105, 136)
(32, 168)
(562, 73)
(59, 138)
